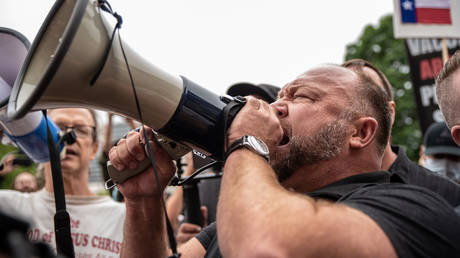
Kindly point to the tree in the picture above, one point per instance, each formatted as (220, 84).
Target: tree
(378, 45)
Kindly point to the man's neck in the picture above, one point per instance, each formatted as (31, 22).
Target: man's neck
(314, 177)
(389, 157)
(74, 183)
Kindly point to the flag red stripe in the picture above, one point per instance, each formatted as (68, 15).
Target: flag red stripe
(433, 15)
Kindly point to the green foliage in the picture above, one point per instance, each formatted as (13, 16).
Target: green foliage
(8, 181)
(378, 45)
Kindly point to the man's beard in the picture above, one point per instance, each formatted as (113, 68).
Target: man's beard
(308, 150)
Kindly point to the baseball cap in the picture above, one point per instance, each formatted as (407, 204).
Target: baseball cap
(268, 92)
(438, 140)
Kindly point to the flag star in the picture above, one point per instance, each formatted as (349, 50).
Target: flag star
(407, 5)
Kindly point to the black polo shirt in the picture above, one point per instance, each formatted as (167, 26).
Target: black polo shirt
(414, 174)
(418, 222)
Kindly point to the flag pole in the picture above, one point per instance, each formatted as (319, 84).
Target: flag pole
(445, 52)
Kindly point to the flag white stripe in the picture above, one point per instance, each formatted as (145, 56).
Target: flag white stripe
(432, 4)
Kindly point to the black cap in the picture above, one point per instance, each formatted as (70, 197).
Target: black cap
(439, 141)
(268, 92)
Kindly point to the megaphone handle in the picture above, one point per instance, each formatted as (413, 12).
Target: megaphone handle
(118, 176)
(174, 149)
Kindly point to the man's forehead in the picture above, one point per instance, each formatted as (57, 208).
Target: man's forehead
(330, 74)
(72, 113)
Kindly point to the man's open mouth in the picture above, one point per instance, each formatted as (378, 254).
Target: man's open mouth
(285, 139)
(70, 152)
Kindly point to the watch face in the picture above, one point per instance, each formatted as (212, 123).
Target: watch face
(258, 145)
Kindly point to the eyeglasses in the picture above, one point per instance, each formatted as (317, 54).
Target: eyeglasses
(82, 131)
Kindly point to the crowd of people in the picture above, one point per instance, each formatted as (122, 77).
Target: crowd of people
(310, 171)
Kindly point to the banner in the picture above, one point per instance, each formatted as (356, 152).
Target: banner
(425, 62)
(426, 18)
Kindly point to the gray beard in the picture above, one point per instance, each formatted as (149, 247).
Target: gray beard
(309, 150)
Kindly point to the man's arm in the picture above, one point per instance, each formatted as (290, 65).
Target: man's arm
(144, 228)
(257, 217)
(269, 220)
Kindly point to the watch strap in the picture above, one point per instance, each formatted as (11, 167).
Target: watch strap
(242, 143)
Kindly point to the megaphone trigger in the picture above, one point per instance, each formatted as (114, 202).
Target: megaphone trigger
(174, 149)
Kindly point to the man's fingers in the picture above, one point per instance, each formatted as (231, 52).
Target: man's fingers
(115, 159)
(125, 156)
(182, 237)
(189, 228)
(253, 102)
(204, 213)
(187, 231)
(149, 133)
(134, 146)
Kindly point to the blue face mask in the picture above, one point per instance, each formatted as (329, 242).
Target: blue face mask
(445, 167)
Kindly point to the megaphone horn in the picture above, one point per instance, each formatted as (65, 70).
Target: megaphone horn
(68, 51)
(28, 133)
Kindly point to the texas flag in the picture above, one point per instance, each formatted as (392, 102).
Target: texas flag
(426, 11)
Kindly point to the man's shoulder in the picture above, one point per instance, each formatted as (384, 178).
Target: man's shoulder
(397, 191)
(412, 173)
(410, 215)
(403, 163)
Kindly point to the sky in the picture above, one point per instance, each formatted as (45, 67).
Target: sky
(218, 43)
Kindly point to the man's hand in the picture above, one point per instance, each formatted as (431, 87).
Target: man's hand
(187, 230)
(7, 165)
(128, 153)
(259, 119)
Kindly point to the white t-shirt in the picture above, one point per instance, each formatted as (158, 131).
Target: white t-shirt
(96, 221)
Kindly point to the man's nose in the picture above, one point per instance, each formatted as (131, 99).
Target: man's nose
(280, 108)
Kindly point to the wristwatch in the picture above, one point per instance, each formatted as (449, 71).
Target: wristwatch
(252, 143)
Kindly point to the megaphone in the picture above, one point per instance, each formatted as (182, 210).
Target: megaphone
(68, 51)
(28, 133)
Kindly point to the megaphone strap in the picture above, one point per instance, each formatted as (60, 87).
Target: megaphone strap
(171, 237)
(64, 244)
(105, 6)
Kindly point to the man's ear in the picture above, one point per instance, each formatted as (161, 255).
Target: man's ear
(392, 106)
(455, 131)
(364, 132)
(94, 149)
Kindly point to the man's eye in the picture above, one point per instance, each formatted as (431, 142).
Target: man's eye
(303, 96)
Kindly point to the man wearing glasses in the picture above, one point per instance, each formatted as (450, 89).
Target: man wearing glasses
(96, 221)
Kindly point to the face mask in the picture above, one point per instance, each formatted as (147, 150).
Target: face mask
(445, 167)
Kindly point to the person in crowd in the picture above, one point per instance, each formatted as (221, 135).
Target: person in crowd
(395, 159)
(448, 93)
(442, 155)
(7, 167)
(309, 187)
(25, 182)
(263, 91)
(9, 162)
(96, 221)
